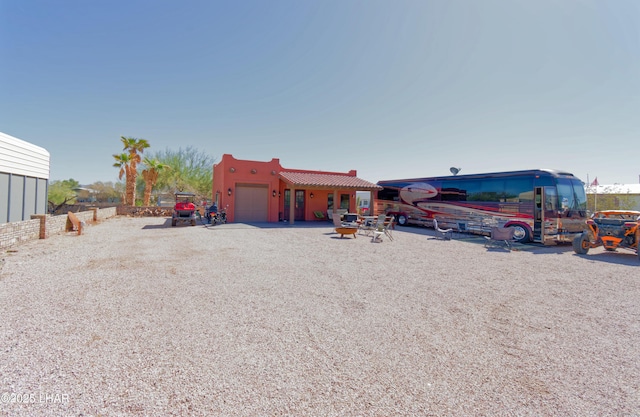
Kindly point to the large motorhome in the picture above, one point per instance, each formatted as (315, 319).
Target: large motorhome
(545, 206)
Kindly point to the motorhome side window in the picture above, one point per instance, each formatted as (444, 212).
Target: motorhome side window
(519, 190)
(390, 194)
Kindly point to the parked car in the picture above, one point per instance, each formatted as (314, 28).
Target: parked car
(611, 229)
(184, 210)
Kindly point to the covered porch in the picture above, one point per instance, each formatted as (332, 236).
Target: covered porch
(303, 194)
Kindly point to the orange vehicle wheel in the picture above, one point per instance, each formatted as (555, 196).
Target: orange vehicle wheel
(581, 244)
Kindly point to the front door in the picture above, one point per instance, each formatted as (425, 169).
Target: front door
(287, 205)
(538, 214)
(298, 210)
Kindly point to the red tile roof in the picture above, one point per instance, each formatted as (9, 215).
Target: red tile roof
(304, 179)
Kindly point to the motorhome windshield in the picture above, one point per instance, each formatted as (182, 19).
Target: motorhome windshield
(571, 195)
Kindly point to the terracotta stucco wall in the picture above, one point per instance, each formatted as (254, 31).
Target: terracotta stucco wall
(231, 172)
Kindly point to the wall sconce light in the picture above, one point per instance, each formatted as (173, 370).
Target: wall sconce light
(311, 195)
(232, 169)
(273, 193)
(253, 171)
(229, 191)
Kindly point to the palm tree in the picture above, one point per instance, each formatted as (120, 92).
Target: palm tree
(123, 161)
(150, 176)
(135, 148)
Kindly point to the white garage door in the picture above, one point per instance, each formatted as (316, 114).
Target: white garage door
(252, 203)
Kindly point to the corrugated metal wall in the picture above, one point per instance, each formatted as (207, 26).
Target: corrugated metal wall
(24, 177)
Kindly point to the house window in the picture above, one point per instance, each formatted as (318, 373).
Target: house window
(344, 201)
(330, 202)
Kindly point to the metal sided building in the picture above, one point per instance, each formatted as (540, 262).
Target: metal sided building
(24, 178)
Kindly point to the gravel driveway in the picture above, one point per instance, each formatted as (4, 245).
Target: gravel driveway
(136, 318)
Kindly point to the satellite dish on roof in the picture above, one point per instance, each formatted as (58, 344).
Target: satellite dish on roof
(455, 170)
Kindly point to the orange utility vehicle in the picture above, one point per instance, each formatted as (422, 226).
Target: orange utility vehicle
(611, 229)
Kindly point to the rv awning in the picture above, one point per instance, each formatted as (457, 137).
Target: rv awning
(327, 181)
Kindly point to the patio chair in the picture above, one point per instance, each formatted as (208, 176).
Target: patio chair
(389, 226)
(444, 234)
(383, 227)
(367, 225)
(338, 222)
(500, 237)
(378, 229)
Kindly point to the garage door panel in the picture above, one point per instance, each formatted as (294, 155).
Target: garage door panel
(252, 203)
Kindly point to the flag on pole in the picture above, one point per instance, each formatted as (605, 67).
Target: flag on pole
(595, 182)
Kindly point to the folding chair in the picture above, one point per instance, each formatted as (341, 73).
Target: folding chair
(338, 223)
(444, 234)
(388, 227)
(500, 237)
(379, 229)
(367, 226)
(319, 215)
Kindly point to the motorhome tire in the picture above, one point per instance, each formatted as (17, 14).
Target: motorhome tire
(521, 233)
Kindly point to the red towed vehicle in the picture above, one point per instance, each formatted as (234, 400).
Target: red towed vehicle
(184, 210)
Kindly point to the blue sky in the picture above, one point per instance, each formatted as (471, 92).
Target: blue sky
(393, 89)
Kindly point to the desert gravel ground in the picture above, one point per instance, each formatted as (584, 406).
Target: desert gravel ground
(136, 318)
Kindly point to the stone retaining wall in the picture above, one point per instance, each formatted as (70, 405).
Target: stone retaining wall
(149, 211)
(18, 232)
(76, 208)
(41, 226)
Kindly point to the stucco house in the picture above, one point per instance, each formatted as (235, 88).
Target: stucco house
(255, 191)
(24, 179)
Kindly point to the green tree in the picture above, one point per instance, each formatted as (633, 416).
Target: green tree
(107, 192)
(61, 192)
(150, 175)
(190, 170)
